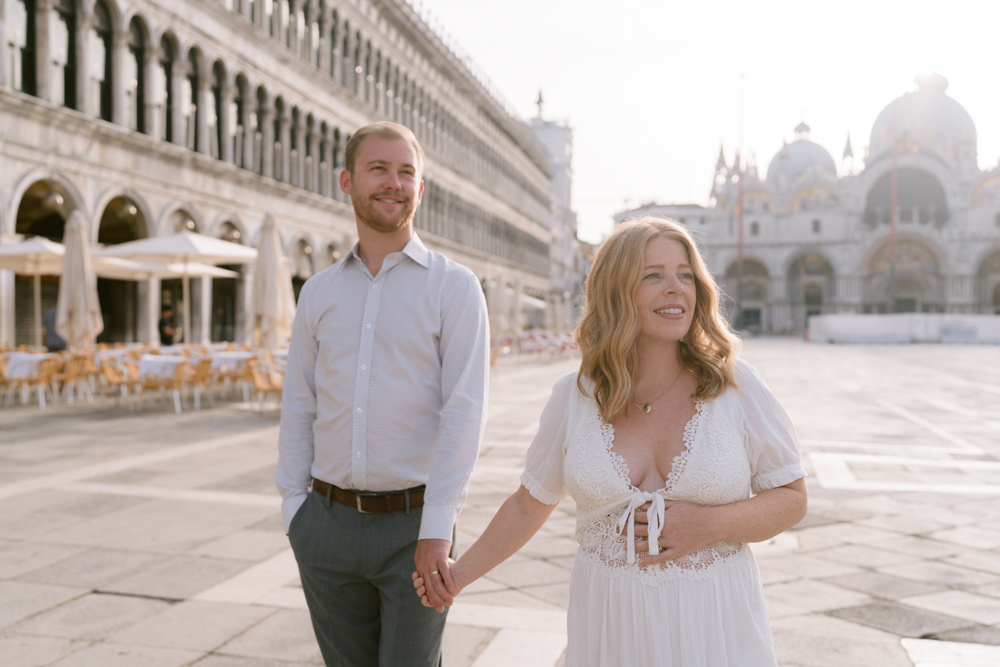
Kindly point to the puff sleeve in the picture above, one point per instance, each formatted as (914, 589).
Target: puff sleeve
(543, 470)
(769, 436)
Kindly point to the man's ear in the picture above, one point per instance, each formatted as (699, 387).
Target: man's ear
(345, 182)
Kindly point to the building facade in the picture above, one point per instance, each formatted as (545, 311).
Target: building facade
(820, 240)
(151, 117)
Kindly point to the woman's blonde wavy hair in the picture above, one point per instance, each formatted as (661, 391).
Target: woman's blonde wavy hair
(609, 329)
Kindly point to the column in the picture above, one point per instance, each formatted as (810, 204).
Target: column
(325, 19)
(246, 333)
(248, 132)
(119, 46)
(152, 63)
(267, 143)
(225, 122)
(206, 311)
(205, 103)
(177, 73)
(42, 10)
(7, 308)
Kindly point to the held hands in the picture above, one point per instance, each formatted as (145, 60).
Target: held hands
(686, 529)
(434, 578)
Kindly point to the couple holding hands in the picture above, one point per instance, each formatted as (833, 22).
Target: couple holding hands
(674, 450)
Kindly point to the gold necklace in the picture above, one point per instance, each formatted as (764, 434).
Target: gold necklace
(648, 407)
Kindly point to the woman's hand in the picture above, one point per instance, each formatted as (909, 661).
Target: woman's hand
(421, 588)
(686, 529)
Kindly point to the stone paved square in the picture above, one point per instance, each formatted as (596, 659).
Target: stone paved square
(155, 539)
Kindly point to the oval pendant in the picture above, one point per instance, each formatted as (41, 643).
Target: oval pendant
(647, 407)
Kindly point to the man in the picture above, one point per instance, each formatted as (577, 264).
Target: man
(383, 414)
(167, 328)
(53, 341)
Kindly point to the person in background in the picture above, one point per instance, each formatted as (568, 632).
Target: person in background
(167, 329)
(53, 341)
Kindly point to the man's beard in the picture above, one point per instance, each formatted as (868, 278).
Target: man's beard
(365, 210)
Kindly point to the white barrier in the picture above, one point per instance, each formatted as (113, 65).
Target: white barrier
(905, 328)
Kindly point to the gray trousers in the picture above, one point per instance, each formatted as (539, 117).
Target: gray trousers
(355, 571)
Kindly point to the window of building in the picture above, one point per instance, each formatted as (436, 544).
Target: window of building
(101, 62)
(701, 221)
(19, 31)
(754, 228)
(817, 226)
(62, 54)
(163, 91)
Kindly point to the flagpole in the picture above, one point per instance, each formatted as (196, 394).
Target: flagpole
(739, 232)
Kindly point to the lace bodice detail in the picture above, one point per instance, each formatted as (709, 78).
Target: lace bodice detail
(712, 470)
(738, 442)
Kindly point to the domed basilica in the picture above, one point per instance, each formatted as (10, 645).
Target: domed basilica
(816, 242)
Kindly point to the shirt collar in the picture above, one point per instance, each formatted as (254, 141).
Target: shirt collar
(414, 249)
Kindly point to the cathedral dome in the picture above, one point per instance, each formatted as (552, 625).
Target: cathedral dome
(926, 120)
(800, 156)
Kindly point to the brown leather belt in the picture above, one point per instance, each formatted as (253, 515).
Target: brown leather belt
(368, 502)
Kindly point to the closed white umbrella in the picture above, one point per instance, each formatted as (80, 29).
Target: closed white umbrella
(183, 248)
(273, 301)
(78, 311)
(35, 257)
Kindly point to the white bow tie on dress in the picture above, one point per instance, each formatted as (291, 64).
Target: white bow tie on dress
(654, 517)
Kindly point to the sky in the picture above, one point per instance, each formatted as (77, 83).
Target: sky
(652, 88)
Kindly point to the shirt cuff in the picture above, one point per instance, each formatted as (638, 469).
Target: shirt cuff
(290, 507)
(437, 522)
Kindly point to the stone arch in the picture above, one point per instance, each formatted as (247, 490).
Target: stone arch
(142, 211)
(815, 198)
(913, 283)
(164, 225)
(752, 293)
(219, 225)
(73, 200)
(989, 281)
(921, 198)
(811, 284)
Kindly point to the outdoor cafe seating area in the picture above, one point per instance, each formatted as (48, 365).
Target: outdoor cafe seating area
(138, 377)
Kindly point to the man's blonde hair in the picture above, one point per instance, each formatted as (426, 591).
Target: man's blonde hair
(609, 329)
(386, 130)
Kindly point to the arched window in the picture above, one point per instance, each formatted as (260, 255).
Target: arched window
(62, 54)
(311, 167)
(163, 90)
(238, 120)
(754, 228)
(257, 123)
(190, 104)
(279, 116)
(345, 55)
(19, 32)
(294, 148)
(101, 62)
(215, 124)
(135, 77)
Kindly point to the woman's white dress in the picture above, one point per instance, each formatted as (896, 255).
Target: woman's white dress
(703, 610)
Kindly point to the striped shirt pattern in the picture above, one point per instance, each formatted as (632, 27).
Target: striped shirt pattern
(386, 383)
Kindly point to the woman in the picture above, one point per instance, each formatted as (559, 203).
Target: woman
(660, 439)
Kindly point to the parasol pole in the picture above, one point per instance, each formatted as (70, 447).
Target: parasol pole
(38, 301)
(186, 282)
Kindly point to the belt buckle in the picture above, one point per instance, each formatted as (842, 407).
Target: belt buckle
(357, 500)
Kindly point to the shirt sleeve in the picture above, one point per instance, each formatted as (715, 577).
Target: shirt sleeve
(465, 363)
(770, 440)
(298, 413)
(543, 475)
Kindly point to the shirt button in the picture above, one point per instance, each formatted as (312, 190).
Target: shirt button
(363, 367)
(358, 455)
(359, 411)
(368, 326)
